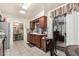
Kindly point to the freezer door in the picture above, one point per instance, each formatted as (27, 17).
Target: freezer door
(5, 27)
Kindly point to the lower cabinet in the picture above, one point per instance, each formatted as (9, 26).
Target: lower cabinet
(33, 39)
(36, 40)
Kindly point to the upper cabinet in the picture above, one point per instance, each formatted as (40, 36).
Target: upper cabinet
(32, 25)
(43, 22)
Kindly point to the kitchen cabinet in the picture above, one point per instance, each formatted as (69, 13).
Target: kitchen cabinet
(32, 25)
(31, 39)
(28, 37)
(43, 22)
(40, 22)
(36, 40)
(37, 24)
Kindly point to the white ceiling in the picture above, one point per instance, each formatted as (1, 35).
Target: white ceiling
(34, 8)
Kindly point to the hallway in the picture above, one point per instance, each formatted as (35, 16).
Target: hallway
(21, 49)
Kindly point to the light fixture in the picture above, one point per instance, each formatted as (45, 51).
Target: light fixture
(26, 5)
(22, 12)
(16, 24)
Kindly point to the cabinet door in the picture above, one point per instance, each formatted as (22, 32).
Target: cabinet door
(30, 39)
(32, 25)
(43, 22)
(33, 39)
(38, 41)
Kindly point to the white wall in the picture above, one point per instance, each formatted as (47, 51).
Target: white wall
(72, 29)
(50, 26)
(41, 13)
(78, 28)
(26, 26)
(76, 14)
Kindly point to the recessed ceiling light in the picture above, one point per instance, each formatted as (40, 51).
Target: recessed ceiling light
(26, 5)
(16, 24)
(22, 12)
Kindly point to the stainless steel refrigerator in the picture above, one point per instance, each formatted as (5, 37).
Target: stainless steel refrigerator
(5, 27)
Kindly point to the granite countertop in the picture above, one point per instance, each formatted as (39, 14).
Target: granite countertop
(38, 34)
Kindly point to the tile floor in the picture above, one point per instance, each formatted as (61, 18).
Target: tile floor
(19, 48)
(61, 44)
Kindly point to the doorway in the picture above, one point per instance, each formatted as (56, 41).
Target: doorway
(18, 31)
(59, 26)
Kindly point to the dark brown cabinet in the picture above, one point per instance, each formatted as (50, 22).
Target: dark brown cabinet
(36, 40)
(32, 25)
(32, 38)
(28, 37)
(43, 22)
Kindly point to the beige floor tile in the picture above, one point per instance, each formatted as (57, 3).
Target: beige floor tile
(21, 49)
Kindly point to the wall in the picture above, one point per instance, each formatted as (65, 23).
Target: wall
(76, 14)
(78, 28)
(50, 26)
(72, 29)
(26, 27)
(41, 13)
